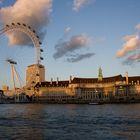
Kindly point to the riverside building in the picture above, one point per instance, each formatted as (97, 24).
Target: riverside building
(84, 90)
(35, 73)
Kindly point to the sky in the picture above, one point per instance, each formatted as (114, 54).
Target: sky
(78, 36)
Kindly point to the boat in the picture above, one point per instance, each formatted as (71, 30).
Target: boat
(96, 103)
(93, 103)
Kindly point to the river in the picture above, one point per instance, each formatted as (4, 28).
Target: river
(69, 122)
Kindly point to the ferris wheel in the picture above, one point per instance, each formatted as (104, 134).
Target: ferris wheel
(31, 33)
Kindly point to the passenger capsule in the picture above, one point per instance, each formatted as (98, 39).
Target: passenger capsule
(34, 31)
(41, 58)
(24, 24)
(41, 50)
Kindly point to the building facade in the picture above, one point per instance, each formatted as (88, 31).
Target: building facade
(35, 73)
(85, 90)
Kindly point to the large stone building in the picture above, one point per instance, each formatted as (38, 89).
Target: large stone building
(84, 90)
(35, 73)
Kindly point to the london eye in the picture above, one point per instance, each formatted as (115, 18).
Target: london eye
(31, 33)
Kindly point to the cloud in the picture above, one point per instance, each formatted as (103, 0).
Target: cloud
(67, 30)
(130, 50)
(134, 57)
(1, 1)
(80, 57)
(138, 26)
(132, 42)
(131, 59)
(32, 12)
(78, 4)
(68, 47)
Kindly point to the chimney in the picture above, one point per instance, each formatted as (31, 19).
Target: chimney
(51, 80)
(57, 81)
(126, 76)
(70, 80)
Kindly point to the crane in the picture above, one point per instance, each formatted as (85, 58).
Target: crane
(14, 74)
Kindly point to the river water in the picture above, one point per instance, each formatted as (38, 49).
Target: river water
(69, 122)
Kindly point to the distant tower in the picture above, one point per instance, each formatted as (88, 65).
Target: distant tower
(35, 73)
(100, 74)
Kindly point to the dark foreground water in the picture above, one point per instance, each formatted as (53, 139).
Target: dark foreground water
(69, 122)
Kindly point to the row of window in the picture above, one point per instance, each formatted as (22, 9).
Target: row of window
(58, 97)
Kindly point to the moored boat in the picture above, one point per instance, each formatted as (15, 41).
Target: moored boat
(96, 103)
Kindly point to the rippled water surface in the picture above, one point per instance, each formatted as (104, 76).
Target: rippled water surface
(69, 122)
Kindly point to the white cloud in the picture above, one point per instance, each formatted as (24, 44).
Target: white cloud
(32, 12)
(131, 48)
(128, 37)
(132, 43)
(67, 30)
(77, 4)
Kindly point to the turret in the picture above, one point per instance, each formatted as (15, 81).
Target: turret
(100, 75)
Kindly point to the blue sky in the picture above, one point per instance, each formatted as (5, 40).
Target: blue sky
(105, 22)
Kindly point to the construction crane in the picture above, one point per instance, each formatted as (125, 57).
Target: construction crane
(14, 74)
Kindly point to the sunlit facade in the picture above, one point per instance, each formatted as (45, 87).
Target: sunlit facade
(84, 90)
(35, 73)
